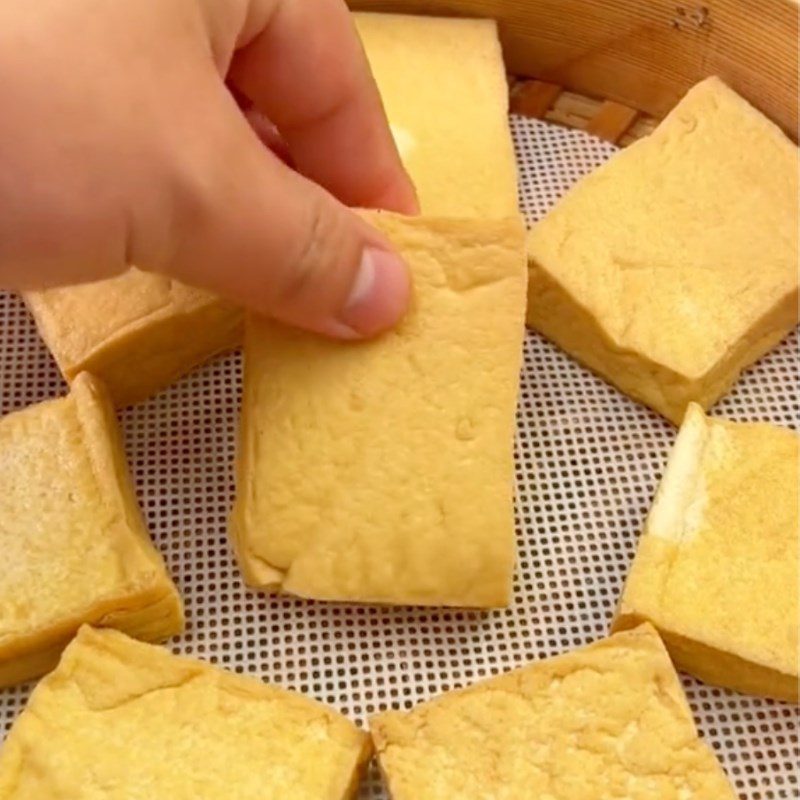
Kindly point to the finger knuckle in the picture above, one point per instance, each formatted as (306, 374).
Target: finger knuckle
(316, 254)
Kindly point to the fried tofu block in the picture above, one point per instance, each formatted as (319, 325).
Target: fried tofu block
(73, 543)
(717, 569)
(138, 332)
(119, 719)
(609, 720)
(382, 471)
(673, 267)
(444, 89)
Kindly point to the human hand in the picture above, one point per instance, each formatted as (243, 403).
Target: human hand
(120, 144)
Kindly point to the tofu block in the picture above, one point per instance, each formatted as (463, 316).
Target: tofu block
(607, 721)
(673, 267)
(73, 543)
(119, 720)
(382, 471)
(717, 568)
(138, 332)
(444, 89)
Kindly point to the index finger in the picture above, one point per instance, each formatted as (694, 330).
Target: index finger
(306, 70)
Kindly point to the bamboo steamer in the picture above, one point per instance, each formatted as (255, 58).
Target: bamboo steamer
(615, 67)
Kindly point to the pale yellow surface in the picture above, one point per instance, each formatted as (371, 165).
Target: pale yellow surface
(122, 720)
(137, 331)
(675, 265)
(717, 565)
(73, 545)
(608, 721)
(382, 471)
(444, 90)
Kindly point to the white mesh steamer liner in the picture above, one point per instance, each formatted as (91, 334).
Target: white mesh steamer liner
(588, 460)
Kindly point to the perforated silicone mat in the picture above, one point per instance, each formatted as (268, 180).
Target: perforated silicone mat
(588, 460)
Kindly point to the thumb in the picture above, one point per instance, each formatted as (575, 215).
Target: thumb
(251, 229)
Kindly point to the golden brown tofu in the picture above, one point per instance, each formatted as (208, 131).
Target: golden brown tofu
(674, 266)
(119, 720)
(382, 471)
(138, 332)
(717, 568)
(606, 721)
(73, 543)
(444, 89)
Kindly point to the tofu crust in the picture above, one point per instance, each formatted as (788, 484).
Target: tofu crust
(673, 267)
(137, 332)
(608, 720)
(382, 471)
(119, 719)
(717, 568)
(74, 543)
(443, 85)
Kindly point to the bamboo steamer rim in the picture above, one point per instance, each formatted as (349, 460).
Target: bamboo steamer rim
(630, 61)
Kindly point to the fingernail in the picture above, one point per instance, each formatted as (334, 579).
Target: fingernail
(379, 296)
